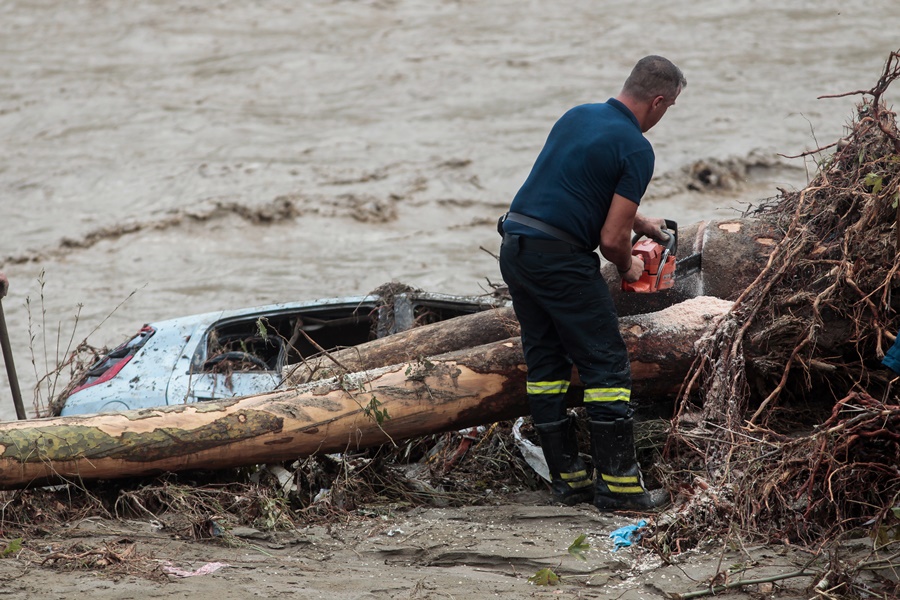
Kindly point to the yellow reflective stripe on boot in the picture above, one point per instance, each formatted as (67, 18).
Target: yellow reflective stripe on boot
(607, 395)
(576, 476)
(634, 488)
(546, 387)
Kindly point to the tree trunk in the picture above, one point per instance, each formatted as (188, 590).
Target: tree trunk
(428, 340)
(451, 391)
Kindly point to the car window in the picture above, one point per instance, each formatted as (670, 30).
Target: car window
(112, 362)
(266, 342)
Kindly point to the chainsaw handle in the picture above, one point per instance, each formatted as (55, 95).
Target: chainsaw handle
(671, 244)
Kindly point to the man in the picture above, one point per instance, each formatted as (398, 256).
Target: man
(583, 192)
(4, 285)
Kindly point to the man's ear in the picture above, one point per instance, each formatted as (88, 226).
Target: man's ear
(658, 101)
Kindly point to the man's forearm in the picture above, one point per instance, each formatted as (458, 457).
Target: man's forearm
(618, 251)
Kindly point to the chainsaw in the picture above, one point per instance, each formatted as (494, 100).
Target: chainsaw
(660, 264)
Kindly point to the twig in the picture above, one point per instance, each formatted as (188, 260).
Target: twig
(323, 351)
(712, 591)
(489, 252)
(811, 152)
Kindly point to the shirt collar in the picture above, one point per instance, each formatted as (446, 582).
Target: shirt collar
(624, 110)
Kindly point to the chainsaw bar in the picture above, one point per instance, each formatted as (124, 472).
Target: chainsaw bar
(687, 266)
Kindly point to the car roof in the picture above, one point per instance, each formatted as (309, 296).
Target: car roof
(367, 300)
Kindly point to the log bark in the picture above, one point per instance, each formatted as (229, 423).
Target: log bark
(735, 251)
(428, 340)
(452, 391)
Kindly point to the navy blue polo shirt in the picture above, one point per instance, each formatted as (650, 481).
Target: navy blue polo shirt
(592, 152)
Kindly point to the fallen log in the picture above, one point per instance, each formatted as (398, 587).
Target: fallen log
(428, 340)
(451, 391)
(735, 251)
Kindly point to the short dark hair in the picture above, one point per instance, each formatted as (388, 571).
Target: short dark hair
(654, 76)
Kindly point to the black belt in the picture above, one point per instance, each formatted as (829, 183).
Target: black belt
(568, 239)
(548, 246)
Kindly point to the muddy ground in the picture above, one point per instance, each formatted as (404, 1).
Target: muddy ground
(472, 552)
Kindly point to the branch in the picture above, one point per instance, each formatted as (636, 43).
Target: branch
(712, 591)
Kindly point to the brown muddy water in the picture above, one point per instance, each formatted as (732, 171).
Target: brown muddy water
(209, 155)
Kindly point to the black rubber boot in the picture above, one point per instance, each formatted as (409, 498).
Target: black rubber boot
(571, 478)
(620, 485)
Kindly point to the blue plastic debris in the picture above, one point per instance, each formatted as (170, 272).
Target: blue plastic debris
(624, 536)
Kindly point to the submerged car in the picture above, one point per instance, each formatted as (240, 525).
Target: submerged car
(236, 353)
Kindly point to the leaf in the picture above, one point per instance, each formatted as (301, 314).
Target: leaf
(896, 511)
(544, 577)
(874, 181)
(11, 548)
(263, 332)
(579, 547)
(894, 206)
(372, 410)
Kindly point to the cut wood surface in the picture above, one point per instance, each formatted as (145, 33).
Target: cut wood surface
(451, 391)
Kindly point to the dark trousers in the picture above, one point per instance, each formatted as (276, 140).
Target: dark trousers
(567, 316)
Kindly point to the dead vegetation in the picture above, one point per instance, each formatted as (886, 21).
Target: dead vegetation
(789, 428)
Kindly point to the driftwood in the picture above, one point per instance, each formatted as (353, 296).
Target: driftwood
(450, 391)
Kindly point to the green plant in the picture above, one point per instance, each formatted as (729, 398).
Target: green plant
(372, 410)
(547, 576)
(262, 329)
(579, 547)
(11, 548)
(874, 181)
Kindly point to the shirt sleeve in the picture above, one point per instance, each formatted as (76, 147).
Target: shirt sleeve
(636, 174)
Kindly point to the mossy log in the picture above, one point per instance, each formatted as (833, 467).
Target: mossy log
(451, 391)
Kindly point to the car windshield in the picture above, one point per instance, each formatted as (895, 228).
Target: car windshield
(268, 342)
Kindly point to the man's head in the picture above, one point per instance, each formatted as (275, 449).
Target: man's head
(651, 89)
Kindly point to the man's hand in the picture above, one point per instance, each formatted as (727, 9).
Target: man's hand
(652, 228)
(4, 285)
(634, 271)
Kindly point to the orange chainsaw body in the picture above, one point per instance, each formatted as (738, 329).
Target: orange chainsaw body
(659, 263)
